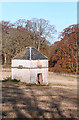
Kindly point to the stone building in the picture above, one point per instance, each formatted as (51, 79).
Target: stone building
(30, 66)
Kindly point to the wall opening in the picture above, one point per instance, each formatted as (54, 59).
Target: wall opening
(39, 78)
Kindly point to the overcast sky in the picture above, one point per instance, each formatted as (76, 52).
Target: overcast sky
(60, 14)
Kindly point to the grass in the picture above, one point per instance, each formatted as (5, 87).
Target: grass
(54, 84)
(29, 84)
(41, 84)
(10, 80)
(68, 76)
(49, 84)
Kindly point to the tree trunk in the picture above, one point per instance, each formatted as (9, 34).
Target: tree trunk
(5, 58)
(39, 44)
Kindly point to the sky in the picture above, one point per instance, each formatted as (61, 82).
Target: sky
(60, 14)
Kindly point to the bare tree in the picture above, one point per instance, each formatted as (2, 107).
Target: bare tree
(17, 36)
(41, 29)
(20, 23)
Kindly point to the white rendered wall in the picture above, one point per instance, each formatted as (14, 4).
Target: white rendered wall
(29, 63)
(21, 74)
(29, 75)
(33, 75)
(24, 63)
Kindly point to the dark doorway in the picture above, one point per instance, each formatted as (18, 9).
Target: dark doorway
(39, 78)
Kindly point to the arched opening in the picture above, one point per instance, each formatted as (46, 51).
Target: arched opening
(39, 78)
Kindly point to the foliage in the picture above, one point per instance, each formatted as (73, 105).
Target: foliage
(64, 57)
(21, 34)
(35, 33)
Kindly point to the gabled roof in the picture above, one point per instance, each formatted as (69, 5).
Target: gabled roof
(30, 54)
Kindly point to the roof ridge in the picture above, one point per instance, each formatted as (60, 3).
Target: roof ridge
(30, 54)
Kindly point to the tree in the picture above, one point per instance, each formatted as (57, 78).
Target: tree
(6, 27)
(42, 31)
(17, 36)
(65, 51)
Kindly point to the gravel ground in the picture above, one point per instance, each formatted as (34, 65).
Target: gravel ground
(59, 100)
(53, 78)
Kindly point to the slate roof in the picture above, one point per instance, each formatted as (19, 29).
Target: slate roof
(25, 54)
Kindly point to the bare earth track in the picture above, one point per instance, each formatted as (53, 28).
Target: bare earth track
(58, 100)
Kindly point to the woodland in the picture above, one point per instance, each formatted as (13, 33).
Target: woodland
(38, 33)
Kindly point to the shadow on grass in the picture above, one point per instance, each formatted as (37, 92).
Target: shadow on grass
(22, 101)
(29, 84)
(10, 80)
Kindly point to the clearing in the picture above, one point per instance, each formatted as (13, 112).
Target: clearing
(58, 100)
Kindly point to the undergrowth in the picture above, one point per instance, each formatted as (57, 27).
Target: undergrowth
(10, 80)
